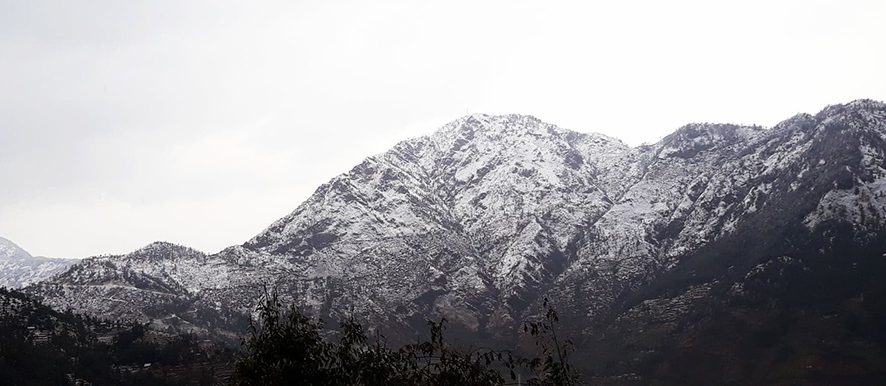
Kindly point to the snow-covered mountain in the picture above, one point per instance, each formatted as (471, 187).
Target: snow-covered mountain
(489, 215)
(166, 284)
(18, 268)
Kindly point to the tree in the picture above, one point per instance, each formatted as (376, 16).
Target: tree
(554, 368)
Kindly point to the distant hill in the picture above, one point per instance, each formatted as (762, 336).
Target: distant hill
(19, 269)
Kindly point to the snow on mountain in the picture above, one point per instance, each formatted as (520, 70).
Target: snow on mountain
(463, 219)
(19, 269)
(712, 182)
(481, 220)
(166, 284)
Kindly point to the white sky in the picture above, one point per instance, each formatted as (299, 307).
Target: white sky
(200, 123)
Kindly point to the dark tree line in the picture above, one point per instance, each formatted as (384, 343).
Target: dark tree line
(283, 347)
(286, 347)
(71, 352)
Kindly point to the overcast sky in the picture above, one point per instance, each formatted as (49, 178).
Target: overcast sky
(200, 123)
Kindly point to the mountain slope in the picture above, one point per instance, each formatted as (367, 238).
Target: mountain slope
(747, 191)
(788, 291)
(461, 221)
(163, 283)
(481, 220)
(19, 269)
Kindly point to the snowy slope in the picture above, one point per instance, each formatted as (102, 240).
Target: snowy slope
(462, 221)
(18, 268)
(742, 185)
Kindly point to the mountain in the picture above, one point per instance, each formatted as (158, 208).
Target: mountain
(648, 252)
(19, 269)
(166, 284)
(425, 229)
(464, 223)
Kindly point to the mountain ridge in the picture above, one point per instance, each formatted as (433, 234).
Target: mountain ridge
(481, 220)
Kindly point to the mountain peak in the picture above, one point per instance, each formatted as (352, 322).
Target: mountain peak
(160, 245)
(692, 139)
(165, 250)
(10, 250)
(857, 106)
(19, 268)
(499, 124)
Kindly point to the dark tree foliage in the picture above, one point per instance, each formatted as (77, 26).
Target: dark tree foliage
(285, 347)
(40, 346)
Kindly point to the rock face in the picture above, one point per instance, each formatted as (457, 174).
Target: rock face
(18, 268)
(483, 219)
